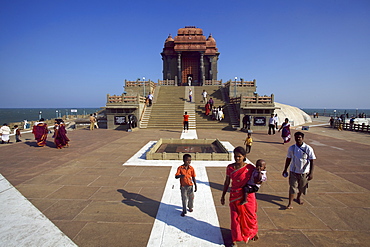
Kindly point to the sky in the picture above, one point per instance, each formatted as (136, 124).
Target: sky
(72, 53)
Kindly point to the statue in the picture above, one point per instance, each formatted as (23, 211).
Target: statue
(189, 80)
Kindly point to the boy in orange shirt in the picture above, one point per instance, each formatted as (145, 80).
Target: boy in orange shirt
(186, 174)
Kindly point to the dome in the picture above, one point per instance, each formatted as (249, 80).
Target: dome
(211, 39)
(190, 30)
(169, 38)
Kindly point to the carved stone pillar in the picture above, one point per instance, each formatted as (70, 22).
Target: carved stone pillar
(201, 68)
(179, 68)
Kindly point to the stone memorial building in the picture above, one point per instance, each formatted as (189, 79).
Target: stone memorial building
(190, 58)
(189, 61)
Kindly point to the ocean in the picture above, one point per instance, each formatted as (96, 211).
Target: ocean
(12, 115)
(337, 112)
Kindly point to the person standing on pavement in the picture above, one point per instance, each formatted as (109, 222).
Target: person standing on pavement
(276, 121)
(92, 122)
(271, 125)
(186, 122)
(244, 223)
(17, 133)
(190, 95)
(248, 143)
(5, 132)
(40, 130)
(96, 121)
(186, 174)
(300, 159)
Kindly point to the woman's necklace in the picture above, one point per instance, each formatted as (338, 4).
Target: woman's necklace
(238, 166)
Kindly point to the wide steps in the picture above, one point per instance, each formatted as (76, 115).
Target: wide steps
(171, 102)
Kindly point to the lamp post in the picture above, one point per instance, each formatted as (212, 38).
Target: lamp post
(235, 87)
(144, 86)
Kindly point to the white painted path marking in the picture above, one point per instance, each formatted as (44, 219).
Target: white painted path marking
(22, 224)
(199, 228)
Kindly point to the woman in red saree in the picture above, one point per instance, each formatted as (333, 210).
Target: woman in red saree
(40, 130)
(244, 226)
(60, 134)
(208, 109)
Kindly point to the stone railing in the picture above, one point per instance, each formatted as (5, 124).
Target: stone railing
(138, 83)
(167, 83)
(212, 83)
(256, 99)
(240, 83)
(124, 99)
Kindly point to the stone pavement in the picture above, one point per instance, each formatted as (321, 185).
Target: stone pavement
(94, 200)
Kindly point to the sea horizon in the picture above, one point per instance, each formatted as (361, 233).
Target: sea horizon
(329, 112)
(15, 115)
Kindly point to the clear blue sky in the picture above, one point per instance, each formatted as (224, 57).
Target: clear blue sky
(71, 53)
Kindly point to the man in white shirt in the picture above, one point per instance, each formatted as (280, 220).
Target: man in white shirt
(150, 99)
(300, 159)
(204, 95)
(272, 122)
(5, 132)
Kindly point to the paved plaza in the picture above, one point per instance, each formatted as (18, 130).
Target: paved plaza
(95, 193)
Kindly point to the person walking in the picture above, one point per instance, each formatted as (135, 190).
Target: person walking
(244, 224)
(96, 121)
(186, 174)
(285, 134)
(40, 131)
(300, 159)
(190, 95)
(17, 134)
(60, 134)
(211, 102)
(220, 114)
(276, 121)
(150, 99)
(204, 95)
(248, 143)
(186, 122)
(246, 122)
(92, 122)
(5, 132)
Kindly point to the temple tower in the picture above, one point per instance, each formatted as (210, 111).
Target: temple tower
(190, 58)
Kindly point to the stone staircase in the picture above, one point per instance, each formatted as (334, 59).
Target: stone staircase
(206, 122)
(171, 102)
(168, 108)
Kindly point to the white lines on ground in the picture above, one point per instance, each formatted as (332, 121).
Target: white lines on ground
(317, 143)
(22, 224)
